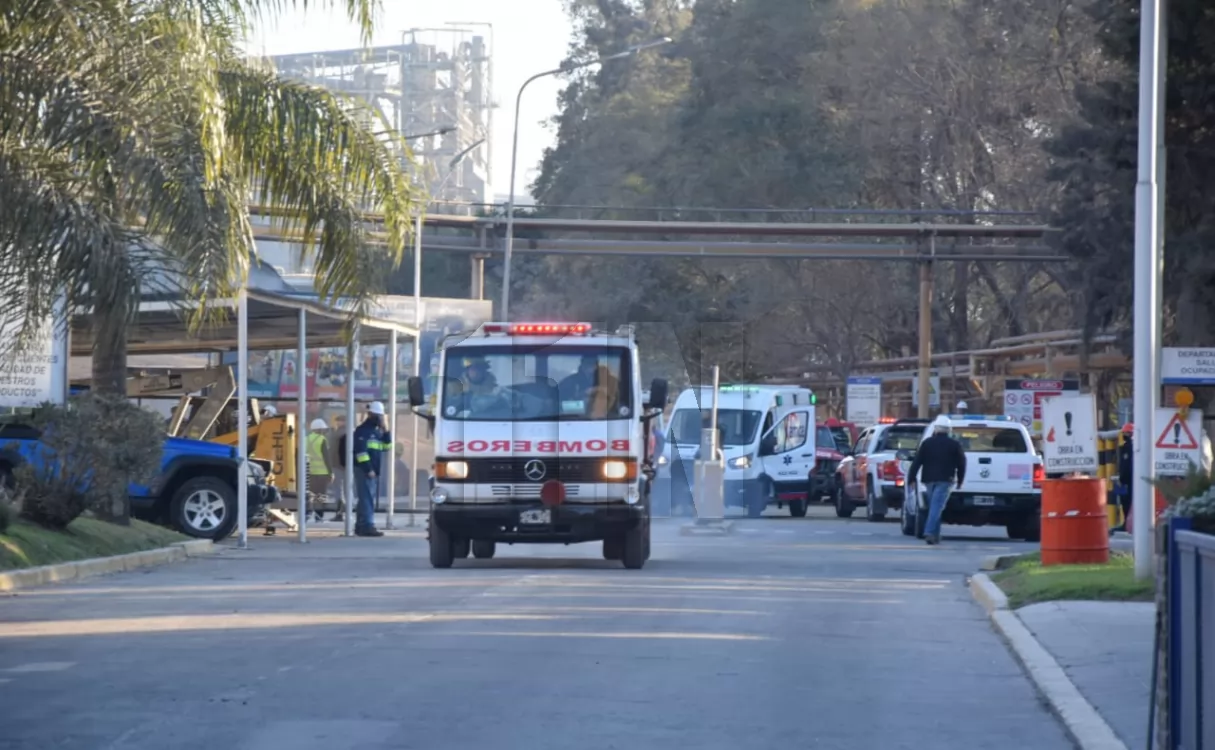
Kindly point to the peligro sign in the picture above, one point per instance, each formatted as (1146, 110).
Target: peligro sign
(537, 446)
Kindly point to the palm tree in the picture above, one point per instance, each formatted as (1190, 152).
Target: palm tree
(133, 135)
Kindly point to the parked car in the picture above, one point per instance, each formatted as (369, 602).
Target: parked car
(194, 493)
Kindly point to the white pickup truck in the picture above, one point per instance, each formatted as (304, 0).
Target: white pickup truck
(1003, 482)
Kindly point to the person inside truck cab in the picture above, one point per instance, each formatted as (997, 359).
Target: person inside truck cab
(602, 399)
(575, 387)
(476, 378)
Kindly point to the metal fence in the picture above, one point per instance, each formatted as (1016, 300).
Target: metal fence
(1191, 637)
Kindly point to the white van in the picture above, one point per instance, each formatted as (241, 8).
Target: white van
(767, 437)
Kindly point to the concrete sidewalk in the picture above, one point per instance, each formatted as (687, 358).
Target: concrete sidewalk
(1106, 649)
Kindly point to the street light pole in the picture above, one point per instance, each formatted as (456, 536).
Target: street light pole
(1148, 247)
(514, 157)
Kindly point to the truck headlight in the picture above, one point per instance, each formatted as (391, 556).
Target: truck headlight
(438, 496)
(452, 469)
(663, 460)
(615, 470)
(742, 462)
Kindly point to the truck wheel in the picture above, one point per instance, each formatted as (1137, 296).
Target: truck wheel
(442, 551)
(483, 549)
(921, 520)
(797, 508)
(460, 548)
(843, 506)
(636, 546)
(204, 508)
(875, 508)
(1027, 527)
(613, 548)
(906, 522)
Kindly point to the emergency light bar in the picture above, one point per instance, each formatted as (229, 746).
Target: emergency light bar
(537, 329)
(979, 417)
(886, 420)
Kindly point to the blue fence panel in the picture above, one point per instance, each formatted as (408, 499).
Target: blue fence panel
(1192, 636)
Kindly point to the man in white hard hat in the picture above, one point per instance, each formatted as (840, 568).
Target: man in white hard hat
(320, 472)
(962, 407)
(371, 442)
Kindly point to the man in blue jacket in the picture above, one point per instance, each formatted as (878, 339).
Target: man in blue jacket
(940, 461)
(371, 442)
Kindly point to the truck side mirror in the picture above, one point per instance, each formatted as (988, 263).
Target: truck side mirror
(417, 396)
(658, 394)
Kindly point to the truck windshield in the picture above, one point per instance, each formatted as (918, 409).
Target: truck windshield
(737, 427)
(990, 440)
(531, 383)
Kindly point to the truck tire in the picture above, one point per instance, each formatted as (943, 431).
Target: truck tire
(636, 546)
(1028, 527)
(921, 520)
(875, 507)
(613, 548)
(483, 549)
(906, 522)
(843, 506)
(797, 508)
(204, 508)
(442, 551)
(460, 548)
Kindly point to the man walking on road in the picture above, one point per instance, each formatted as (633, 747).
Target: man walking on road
(939, 459)
(371, 441)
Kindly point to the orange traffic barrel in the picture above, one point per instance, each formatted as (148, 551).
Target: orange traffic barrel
(1075, 528)
(1162, 504)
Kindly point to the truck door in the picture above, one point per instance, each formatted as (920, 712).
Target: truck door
(787, 449)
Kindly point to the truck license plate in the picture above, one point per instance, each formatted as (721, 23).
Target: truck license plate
(536, 517)
(984, 500)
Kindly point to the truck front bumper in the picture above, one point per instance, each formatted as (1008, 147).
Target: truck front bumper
(566, 523)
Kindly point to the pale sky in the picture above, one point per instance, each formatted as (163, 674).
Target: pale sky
(527, 42)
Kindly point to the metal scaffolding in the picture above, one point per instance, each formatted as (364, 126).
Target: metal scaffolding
(435, 88)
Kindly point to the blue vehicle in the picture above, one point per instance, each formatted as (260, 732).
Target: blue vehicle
(195, 492)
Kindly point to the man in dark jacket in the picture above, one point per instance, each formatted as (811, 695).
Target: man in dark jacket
(939, 460)
(371, 441)
(1126, 468)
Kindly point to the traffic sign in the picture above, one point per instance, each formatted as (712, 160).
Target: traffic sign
(1179, 444)
(1027, 406)
(1070, 423)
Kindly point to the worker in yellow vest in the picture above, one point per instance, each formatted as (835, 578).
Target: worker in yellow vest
(320, 473)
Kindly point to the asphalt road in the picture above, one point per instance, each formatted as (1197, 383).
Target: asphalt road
(790, 633)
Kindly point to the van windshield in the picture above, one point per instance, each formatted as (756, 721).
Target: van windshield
(737, 426)
(530, 383)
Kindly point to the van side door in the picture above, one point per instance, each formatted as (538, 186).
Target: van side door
(787, 450)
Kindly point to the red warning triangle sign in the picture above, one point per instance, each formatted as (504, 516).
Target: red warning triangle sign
(1050, 436)
(1177, 435)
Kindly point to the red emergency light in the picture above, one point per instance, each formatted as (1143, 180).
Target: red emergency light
(538, 329)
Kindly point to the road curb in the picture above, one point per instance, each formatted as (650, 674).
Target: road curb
(15, 580)
(1082, 722)
(1000, 562)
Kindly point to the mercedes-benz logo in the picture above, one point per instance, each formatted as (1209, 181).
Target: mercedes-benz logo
(534, 470)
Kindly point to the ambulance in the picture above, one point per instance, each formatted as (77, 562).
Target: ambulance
(540, 437)
(767, 436)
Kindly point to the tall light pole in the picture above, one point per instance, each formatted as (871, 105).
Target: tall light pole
(514, 156)
(1149, 236)
(417, 339)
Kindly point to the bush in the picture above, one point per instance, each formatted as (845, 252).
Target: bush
(6, 515)
(91, 449)
(1192, 497)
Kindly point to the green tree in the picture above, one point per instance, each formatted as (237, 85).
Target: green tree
(133, 135)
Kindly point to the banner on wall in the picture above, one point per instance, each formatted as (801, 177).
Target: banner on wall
(277, 375)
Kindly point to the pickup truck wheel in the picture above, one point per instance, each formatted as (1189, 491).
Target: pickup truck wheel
(843, 506)
(1027, 527)
(636, 545)
(204, 508)
(875, 507)
(442, 551)
(460, 548)
(483, 549)
(921, 520)
(797, 508)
